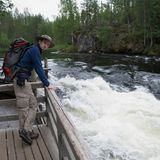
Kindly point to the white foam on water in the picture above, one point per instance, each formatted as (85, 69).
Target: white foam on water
(116, 125)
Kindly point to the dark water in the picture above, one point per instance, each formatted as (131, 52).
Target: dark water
(126, 72)
(116, 113)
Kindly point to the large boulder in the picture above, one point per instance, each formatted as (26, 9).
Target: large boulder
(86, 42)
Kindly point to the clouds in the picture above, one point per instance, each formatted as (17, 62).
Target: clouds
(47, 8)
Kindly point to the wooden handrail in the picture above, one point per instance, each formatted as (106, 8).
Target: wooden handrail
(67, 133)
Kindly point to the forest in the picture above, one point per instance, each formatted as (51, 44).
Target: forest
(116, 26)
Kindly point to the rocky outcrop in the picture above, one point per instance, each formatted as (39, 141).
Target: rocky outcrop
(119, 42)
(86, 42)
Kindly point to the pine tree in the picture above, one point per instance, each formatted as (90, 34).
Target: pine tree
(4, 5)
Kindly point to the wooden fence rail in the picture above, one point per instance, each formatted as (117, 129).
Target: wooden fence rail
(70, 147)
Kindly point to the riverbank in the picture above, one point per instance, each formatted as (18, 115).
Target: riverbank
(126, 48)
(71, 50)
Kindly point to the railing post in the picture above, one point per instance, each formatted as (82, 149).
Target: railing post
(47, 107)
(33, 79)
(46, 65)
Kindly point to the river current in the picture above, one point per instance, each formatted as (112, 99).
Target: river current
(115, 106)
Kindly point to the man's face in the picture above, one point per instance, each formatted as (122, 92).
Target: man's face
(44, 44)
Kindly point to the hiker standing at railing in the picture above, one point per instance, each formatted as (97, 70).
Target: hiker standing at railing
(26, 101)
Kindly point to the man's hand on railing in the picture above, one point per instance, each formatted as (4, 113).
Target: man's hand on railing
(52, 87)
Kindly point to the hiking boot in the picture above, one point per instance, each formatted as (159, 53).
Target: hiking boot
(33, 135)
(25, 136)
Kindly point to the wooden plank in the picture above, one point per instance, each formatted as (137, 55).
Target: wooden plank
(43, 68)
(36, 152)
(47, 69)
(8, 117)
(16, 117)
(42, 146)
(28, 152)
(49, 141)
(3, 145)
(9, 87)
(52, 110)
(67, 146)
(52, 121)
(53, 128)
(7, 102)
(18, 146)
(10, 145)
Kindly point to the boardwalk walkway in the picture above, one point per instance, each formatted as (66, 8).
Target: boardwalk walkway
(58, 140)
(12, 147)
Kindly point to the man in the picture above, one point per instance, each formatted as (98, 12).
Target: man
(26, 101)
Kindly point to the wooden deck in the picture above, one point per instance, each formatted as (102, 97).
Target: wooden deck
(12, 147)
(59, 139)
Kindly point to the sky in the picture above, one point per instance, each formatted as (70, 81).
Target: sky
(47, 8)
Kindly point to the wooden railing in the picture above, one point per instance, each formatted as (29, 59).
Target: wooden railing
(5, 102)
(63, 130)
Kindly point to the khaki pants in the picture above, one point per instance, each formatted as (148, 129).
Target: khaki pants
(27, 105)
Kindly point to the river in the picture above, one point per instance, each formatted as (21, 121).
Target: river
(114, 104)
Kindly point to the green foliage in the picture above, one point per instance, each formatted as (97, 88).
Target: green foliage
(65, 48)
(15, 24)
(90, 14)
(104, 34)
(3, 52)
(67, 22)
(4, 43)
(70, 49)
(134, 21)
(154, 51)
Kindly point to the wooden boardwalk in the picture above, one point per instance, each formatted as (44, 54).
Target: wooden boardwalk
(58, 140)
(12, 147)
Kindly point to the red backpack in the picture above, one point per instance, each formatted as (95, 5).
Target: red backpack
(12, 57)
